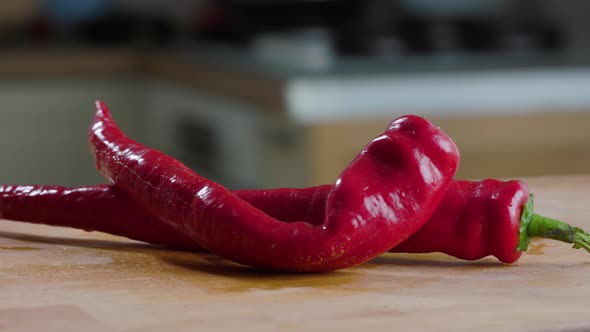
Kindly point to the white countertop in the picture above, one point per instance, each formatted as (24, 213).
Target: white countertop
(317, 99)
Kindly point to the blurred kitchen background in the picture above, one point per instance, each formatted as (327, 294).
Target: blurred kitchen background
(285, 93)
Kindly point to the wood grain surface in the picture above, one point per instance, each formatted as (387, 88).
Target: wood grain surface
(56, 279)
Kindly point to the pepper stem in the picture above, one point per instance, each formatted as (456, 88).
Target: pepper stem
(534, 225)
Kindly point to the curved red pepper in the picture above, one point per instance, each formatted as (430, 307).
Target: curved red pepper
(491, 217)
(105, 209)
(474, 219)
(386, 194)
(99, 208)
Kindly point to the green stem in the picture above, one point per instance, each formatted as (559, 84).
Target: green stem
(533, 225)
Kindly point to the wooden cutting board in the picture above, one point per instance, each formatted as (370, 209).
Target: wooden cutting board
(55, 279)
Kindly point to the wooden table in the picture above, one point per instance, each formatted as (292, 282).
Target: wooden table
(54, 279)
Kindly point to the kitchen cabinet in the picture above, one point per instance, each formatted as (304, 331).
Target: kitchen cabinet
(247, 125)
(507, 122)
(226, 139)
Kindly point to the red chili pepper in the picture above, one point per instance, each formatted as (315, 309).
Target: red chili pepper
(386, 194)
(99, 208)
(474, 219)
(491, 217)
(105, 209)
(290, 204)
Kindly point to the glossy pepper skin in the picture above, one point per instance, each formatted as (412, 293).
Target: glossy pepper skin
(105, 209)
(386, 194)
(474, 220)
(99, 208)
